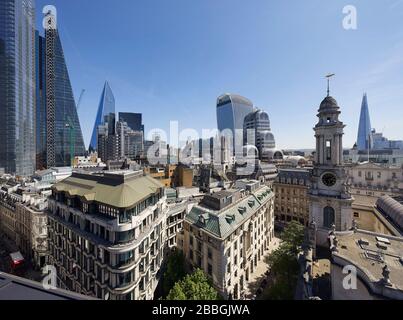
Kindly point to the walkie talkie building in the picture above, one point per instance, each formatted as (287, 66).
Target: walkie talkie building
(231, 112)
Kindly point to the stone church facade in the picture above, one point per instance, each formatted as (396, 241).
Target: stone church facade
(330, 201)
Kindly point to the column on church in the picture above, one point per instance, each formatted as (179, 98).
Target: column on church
(341, 149)
(336, 150)
(322, 150)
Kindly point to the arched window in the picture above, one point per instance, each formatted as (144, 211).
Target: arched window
(328, 217)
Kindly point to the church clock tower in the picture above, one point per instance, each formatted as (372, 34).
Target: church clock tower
(330, 205)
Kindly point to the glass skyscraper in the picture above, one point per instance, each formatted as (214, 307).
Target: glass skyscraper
(105, 109)
(40, 101)
(257, 131)
(17, 86)
(133, 120)
(64, 138)
(231, 112)
(364, 129)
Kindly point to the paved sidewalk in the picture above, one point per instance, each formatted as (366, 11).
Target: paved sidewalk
(259, 275)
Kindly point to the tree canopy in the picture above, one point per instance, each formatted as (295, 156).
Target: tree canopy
(284, 265)
(175, 271)
(194, 286)
(293, 237)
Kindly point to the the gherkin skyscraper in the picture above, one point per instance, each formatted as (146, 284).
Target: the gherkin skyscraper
(364, 129)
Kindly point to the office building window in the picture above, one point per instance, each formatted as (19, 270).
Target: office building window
(210, 269)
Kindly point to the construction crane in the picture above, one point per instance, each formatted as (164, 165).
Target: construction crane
(72, 132)
(80, 99)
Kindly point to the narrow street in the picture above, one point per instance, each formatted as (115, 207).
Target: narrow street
(260, 278)
(28, 272)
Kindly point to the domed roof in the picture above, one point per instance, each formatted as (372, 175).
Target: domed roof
(233, 98)
(393, 208)
(329, 103)
(257, 115)
(273, 153)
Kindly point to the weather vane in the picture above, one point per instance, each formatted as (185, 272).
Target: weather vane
(330, 75)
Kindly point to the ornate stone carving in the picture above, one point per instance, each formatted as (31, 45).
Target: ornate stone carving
(386, 276)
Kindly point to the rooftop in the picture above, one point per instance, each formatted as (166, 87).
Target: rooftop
(370, 252)
(393, 208)
(299, 174)
(119, 189)
(223, 223)
(221, 194)
(15, 288)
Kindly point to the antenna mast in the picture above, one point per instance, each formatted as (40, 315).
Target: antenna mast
(330, 75)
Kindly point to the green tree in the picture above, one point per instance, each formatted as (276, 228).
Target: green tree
(175, 270)
(194, 286)
(177, 293)
(284, 265)
(293, 236)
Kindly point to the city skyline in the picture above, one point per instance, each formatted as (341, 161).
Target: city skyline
(151, 75)
(236, 152)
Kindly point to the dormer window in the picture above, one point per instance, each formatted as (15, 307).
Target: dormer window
(203, 219)
(230, 218)
(242, 210)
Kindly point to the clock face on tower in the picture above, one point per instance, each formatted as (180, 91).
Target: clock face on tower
(329, 179)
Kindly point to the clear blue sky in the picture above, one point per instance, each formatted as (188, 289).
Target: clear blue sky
(170, 59)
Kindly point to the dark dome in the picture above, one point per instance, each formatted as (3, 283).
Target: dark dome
(257, 115)
(329, 103)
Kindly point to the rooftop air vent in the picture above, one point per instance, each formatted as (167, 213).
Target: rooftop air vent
(382, 240)
(381, 246)
(363, 242)
(374, 256)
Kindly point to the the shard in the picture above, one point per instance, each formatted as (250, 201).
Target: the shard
(364, 129)
(106, 107)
